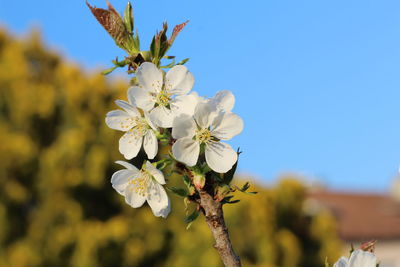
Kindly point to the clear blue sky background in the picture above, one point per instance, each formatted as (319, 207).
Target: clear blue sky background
(317, 82)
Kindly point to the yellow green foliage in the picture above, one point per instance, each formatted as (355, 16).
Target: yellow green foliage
(57, 206)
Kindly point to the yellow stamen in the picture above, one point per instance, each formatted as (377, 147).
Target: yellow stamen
(163, 98)
(141, 184)
(203, 135)
(141, 127)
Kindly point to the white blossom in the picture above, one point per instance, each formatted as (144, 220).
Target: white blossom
(358, 258)
(139, 186)
(164, 97)
(138, 129)
(222, 101)
(205, 129)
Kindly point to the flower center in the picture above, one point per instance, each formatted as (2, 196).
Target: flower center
(141, 184)
(203, 135)
(163, 98)
(141, 127)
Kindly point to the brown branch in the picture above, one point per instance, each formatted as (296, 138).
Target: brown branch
(214, 215)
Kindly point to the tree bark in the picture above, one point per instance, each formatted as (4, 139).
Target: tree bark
(214, 215)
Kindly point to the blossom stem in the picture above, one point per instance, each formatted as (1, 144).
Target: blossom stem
(214, 215)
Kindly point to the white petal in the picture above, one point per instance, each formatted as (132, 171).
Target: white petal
(184, 104)
(129, 145)
(149, 121)
(141, 98)
(220, 156)
(158, 201)
(227, 126)
(204, 115)
(150, 77)
(120, 180)
(127, 165)
(342, 262)
(157, 174)
(199, 99)
(150, 144)
(183, 126)
(186, 150)
(361, 258)
(119, 120)
(131, 110)
(132, 198)
(179, 80)
(162, 117)
(224, 100)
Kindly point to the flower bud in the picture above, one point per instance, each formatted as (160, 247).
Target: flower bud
(368, 246)
(199, 180)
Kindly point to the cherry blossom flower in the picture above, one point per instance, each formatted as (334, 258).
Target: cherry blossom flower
(222, 101)
(358, 258)
(138, 129)
(139, 186)
(164, 97)
(205, 130)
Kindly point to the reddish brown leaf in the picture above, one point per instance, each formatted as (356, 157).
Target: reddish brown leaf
(111, 22)
(177, 29)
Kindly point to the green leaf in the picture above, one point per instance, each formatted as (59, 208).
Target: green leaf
(186, 180)
(169, 57)
(170, 65)
(188, 183)
(182, 192)
(183, 61)
(128, 18)
(136, 41)
(154, 49)
(191, 218)
(108, 71)
(163, 163)
(244, 189)
(186, 202)
(222, 191)
(158, 45)
(227, 200)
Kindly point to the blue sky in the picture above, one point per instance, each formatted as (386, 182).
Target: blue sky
(317, 82)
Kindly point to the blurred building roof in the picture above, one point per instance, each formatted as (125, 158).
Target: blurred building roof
(362, 216)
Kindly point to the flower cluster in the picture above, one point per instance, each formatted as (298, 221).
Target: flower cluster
(160, 106)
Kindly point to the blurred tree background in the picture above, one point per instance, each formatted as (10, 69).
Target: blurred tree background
(57, 206)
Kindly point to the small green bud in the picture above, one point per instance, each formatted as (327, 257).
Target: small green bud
(199, 180)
